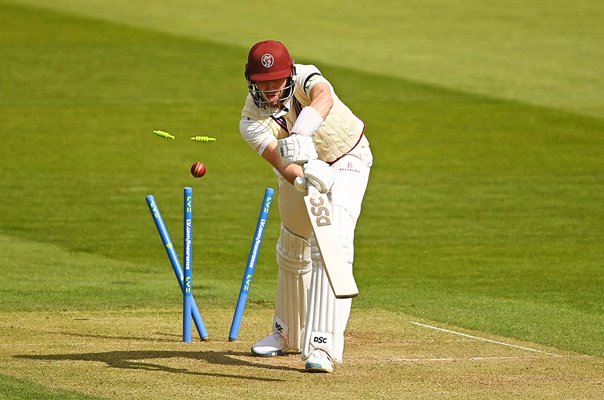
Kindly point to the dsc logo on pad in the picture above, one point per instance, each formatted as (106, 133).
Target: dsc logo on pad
(320, 340)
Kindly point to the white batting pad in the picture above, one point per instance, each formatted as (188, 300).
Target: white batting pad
(295, 264)
(327, 316)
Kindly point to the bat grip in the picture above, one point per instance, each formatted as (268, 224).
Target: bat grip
(312, 190)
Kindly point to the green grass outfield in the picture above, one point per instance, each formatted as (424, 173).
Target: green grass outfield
(484, 212)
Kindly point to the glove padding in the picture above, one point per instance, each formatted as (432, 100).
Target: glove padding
(297, 149)
(319, 174)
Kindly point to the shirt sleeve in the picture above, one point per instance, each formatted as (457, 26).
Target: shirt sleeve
(257, 133)
(308, 76)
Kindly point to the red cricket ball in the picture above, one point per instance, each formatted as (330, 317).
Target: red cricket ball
(198, 169)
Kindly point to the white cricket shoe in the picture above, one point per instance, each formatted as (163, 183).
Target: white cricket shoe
(319, 361)
(270, 346)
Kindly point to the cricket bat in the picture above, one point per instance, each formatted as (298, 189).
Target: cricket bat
(338, 270)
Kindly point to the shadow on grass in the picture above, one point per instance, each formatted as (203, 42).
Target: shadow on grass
(136, 338)
(133, 360)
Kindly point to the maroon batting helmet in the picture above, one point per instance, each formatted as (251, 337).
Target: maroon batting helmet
(267, 61)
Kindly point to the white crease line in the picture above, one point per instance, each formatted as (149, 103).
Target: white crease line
(459, 359)
(483, 339)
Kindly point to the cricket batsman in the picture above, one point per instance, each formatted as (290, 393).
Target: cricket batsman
(293, 119)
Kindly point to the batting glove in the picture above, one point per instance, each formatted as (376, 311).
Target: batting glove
(297, 149)
(319, 174)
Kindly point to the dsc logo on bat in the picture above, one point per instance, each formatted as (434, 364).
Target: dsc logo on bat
(319, 210)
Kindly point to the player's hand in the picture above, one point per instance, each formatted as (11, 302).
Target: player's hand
(297, 149)
(319, 174)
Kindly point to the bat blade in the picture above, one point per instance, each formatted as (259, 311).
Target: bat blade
(338, 270)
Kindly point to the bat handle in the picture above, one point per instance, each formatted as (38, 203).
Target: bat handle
(312, 190)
